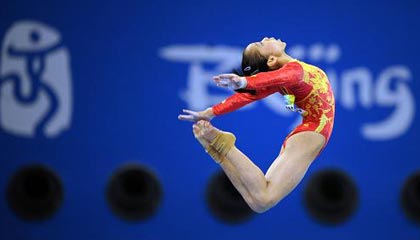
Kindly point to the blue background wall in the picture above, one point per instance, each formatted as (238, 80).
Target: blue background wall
(126, 95)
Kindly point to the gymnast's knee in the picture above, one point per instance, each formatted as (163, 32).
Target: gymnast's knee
(262, 203)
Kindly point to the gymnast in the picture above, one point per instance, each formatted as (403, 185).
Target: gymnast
(268, 69)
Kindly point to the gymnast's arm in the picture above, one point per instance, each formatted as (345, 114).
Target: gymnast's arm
(230, 104)
(240, 99)
(287, 76)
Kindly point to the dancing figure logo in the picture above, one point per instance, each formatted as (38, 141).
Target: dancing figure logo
(390, 89)
(35, 81)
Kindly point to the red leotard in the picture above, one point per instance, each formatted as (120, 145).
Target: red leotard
(307, 83)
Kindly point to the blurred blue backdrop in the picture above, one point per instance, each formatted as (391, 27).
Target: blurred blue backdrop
(114, 75)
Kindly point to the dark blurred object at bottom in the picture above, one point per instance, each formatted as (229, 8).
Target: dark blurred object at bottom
(410, 197)
(331, 196)
(134, 193)
(34, 193)
(225, 202)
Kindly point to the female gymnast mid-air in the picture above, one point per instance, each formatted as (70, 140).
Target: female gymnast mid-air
(267, 69)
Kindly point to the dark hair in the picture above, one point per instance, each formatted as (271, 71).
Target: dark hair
(253, 62)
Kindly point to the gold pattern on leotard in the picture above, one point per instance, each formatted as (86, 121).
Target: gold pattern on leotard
(315, 77)
(320, 101)
(323, 121)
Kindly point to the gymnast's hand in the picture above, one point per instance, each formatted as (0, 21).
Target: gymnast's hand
(193, 116)
(231, 81)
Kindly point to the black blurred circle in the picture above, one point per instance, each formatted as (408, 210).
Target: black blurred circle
(331, 196)
(225, 202)
(134, 193)
(410, 197)
(34, 193)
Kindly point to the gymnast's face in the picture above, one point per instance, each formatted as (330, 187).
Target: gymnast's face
(268, 47)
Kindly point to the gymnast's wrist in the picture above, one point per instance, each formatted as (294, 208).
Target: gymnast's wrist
(243, 82)
(209, 113)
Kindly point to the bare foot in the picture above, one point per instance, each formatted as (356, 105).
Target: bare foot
(208, 131)
(220, 141)
(198, 134)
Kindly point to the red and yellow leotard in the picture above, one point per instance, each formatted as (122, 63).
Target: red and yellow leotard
(308, 83)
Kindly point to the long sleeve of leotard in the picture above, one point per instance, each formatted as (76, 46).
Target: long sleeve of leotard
(239, 100)
(287, 76)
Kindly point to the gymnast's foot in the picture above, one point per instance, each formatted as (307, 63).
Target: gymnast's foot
(198, 134)
(220, 141)
(208, 131)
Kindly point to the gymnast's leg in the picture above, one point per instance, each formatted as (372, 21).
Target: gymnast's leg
(260, 191)
(218, 157)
